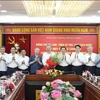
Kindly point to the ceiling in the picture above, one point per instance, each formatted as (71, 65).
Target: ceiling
(16, 13)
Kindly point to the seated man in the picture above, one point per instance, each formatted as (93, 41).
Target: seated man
(35, 61)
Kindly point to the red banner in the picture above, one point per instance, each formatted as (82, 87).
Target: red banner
(50, 29)
(63, 40)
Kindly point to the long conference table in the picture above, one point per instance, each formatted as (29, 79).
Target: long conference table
(91, 91)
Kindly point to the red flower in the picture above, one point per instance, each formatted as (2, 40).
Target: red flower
(46, 68)
(11, 85)
(50, 63)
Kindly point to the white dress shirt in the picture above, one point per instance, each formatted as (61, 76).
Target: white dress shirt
(46, 56)
(12, 63)
(26, 60)
(65, 59)
(92, 61)
(77, 59)
(3, 65)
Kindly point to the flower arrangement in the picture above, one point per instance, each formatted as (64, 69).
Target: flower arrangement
(86, 74)
(2, 93)
(53, 72)
(9, 85)
(52, 61)
(59, 90)
(19, 73)
(11, 82)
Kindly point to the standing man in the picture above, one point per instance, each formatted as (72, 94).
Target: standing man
(12, 62)
(90, 60)
(77, 60)
(47, 54)
(3, 61)
(35, 61)
(23, 61)
(65, 60)
(97, 61)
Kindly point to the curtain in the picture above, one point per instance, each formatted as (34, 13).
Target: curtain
(22, 39)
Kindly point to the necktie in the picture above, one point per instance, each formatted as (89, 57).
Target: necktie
(64, 57)
(76, 56)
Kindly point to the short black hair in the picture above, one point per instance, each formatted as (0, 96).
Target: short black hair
(48, 45)
(63, 47)
(23, 49)
(77, 46)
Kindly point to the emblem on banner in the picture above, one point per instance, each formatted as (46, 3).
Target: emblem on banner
(11, 40)
(23, 39)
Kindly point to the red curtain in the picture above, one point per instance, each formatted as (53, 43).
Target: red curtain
(22, 39)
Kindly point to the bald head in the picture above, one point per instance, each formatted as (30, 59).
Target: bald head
(37, 51)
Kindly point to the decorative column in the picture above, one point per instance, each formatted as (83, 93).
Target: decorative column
(98, 30)
(1, 35)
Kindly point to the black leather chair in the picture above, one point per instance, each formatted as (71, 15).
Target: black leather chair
(69, 72)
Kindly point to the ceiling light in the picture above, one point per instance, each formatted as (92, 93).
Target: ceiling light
(0, 5)
(3, 11)
(59, 8)
(98, 11)
(94, 16)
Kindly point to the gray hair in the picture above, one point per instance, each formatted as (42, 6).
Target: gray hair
(89, 47)
(36, 49)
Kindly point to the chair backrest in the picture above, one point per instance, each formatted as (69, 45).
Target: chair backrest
(69, 72)
(25, 72)
(79, 86)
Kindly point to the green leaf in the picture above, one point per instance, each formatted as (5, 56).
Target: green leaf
(45, 90)
(71, 94)
(49, 98)
(67, 97)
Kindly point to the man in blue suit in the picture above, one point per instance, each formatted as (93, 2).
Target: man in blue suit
(35, 61)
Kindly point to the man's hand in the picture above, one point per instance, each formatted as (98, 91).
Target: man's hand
(0, 58)
(3, 59)
(47, 65)
(23, 62)
(13, 58)
(36, 59)
(89, 59)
